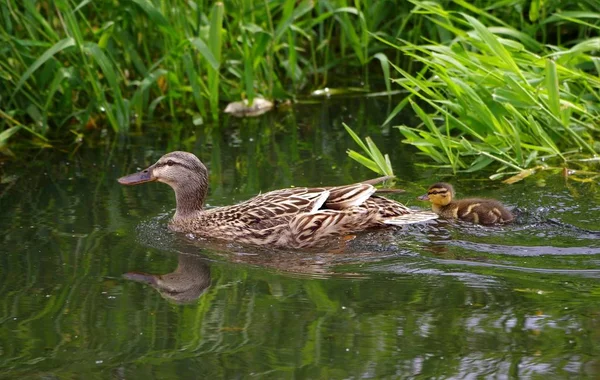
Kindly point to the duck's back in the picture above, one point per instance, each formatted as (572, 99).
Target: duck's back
(266, 210)
(296, 217)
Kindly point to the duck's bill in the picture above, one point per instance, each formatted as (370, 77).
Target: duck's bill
(423, 197)
(144, 278)
(134, 179)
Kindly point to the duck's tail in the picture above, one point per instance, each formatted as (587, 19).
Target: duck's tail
(413, 217)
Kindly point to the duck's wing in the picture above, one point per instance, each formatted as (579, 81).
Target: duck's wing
(343, 197)
(291, 202)
(279, 206)
(309, 228)
(349, 209)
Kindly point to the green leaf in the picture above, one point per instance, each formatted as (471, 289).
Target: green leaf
(302, 8)
(248, 69)
(379, 159)
(204, 50)
(154, 14)
(214, 34)
(396, 110)
(368, 163)
(355, 137)
(195, 80)
(145, 84)
(48, 54)
(552, 88)
(534, 10)
(377, 162)
(108, 70)
(385, 67)
(479, 163)
(7, 133)
(493, 44)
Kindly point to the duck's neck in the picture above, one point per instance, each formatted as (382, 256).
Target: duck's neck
(190, 196)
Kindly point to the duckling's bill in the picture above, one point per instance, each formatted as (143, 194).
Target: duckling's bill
(424, 197)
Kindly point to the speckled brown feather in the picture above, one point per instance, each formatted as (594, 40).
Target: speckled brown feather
(288, 217)
(477, 210)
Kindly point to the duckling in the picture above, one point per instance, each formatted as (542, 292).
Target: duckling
(474, 210)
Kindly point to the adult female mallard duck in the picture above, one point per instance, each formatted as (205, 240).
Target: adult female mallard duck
(475, 210)
(293, 218)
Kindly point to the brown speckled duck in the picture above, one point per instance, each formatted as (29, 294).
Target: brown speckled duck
(474, 210)
(291, 218)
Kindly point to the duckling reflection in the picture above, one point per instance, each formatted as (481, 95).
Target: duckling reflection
(186, 284)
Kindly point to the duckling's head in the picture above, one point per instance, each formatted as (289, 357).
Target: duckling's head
(183, 171)
(439, 194)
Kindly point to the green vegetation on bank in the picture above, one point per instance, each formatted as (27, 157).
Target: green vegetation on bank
(510, 83)
(498, 95)
(74, 65)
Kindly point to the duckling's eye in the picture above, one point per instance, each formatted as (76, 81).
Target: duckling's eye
(170, 163)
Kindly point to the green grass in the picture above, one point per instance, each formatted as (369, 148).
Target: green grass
(70, 66)
(374, 159)
(492, 82)
(495, 96)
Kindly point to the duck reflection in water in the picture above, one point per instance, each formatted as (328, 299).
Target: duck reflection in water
(185, 284)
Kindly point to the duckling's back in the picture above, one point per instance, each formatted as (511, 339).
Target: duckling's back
(479, 211)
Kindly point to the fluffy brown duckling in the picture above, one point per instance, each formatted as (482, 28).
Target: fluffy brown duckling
(474, 210)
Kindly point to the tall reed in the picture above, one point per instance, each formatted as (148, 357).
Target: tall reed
(75, 65)
(70, 66)
(492, 94)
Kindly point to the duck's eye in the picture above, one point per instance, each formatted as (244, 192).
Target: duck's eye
(170, 163)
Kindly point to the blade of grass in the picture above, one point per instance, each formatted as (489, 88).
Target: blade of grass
(552, 88)
(47, 55)
(364, 161)
(495, 46)
(215, 42)
(385, 68)
(122, 120)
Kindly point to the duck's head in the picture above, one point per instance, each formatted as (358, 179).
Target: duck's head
(439, 194)
(184, 172)
(174, 169)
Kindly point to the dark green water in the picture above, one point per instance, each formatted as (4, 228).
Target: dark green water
(439, 300)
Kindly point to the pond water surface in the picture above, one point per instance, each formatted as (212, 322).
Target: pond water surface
(442, 300)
